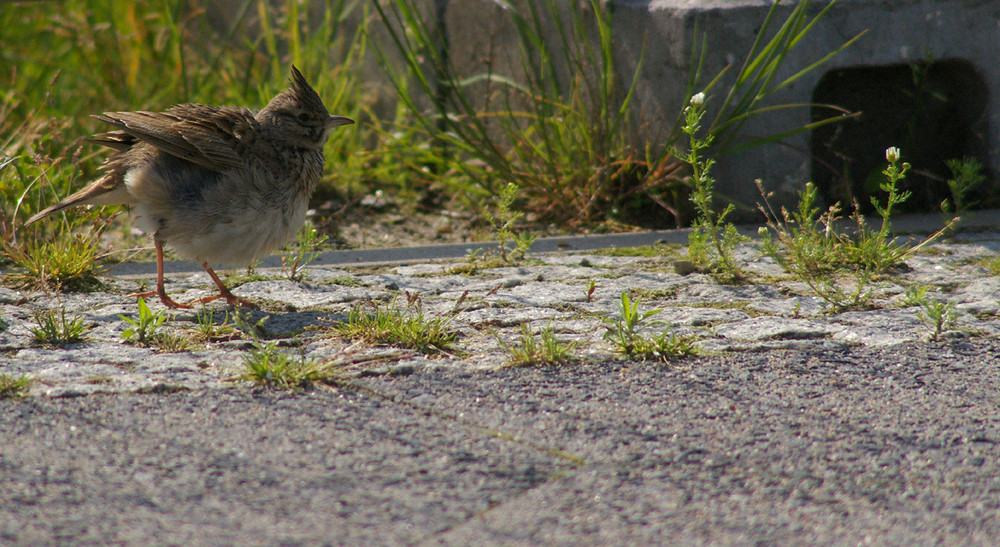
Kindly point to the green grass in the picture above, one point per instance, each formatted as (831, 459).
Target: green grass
(12, 387)
(60, 65)
(56, 330)
(543, 349)
(213, 328)
(268, 366)
(407, 327)
(566, 141)
(66, 264)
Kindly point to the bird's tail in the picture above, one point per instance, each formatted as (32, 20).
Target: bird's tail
(104, 191)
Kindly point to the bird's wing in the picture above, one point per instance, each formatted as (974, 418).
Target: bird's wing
(214, 137)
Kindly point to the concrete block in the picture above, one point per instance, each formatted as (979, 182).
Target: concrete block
(903, 36)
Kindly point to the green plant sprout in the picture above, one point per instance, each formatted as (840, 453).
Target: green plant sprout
(937, 316)
(914, 296)
(966, 174)
(143, 329)
(211, 329)
(308, 243)
(624, 332)
(502, 223)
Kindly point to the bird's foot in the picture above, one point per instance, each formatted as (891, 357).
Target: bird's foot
(167, 301)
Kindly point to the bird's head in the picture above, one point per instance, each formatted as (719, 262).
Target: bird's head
(299, 116)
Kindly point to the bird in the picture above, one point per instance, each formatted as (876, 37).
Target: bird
(219, 185)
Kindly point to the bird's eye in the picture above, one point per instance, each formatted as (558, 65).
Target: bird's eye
(304, 117)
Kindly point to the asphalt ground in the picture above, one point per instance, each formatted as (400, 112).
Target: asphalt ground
(885, 446)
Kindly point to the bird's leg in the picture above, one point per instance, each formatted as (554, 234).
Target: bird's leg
(223, 291)
(160, 290)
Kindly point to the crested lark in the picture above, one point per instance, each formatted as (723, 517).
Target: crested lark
(220, 185)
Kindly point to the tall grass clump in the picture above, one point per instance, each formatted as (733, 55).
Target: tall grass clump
(61, 65)
(561, 128)
(560, 131)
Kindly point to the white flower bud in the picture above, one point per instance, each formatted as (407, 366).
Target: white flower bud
(892, 154)
(697, 99)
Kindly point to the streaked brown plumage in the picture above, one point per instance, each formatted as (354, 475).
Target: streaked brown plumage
(220, 185)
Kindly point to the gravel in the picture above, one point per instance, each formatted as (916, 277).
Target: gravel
(795, 425)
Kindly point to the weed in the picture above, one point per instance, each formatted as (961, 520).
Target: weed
(811, 247)
(170, 342)
(546, 349)
(67, 262)
(992, 264)
(475, 261)
(53, 256)
(966, 174)
(143, 329)
(211, 329)
(256, 331)
(936, 315)
(13, 386)
(56, 330)
(625, 333)
(591, 287)
(389, 325)
(664, 348)
(308, 243)
(712, 241)
(503, 225)
(563, 141)
(566, 140)
(915, 296)
(268, 366)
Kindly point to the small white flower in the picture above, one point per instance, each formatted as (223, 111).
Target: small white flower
(892, 154)
(698, 99)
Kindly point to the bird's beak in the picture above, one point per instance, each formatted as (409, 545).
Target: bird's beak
(335, 121)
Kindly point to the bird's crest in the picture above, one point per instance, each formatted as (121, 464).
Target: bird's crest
(304, 94)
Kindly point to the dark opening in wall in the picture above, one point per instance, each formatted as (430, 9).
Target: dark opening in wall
(933, 112)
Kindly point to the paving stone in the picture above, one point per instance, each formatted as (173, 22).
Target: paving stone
(486, 307)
